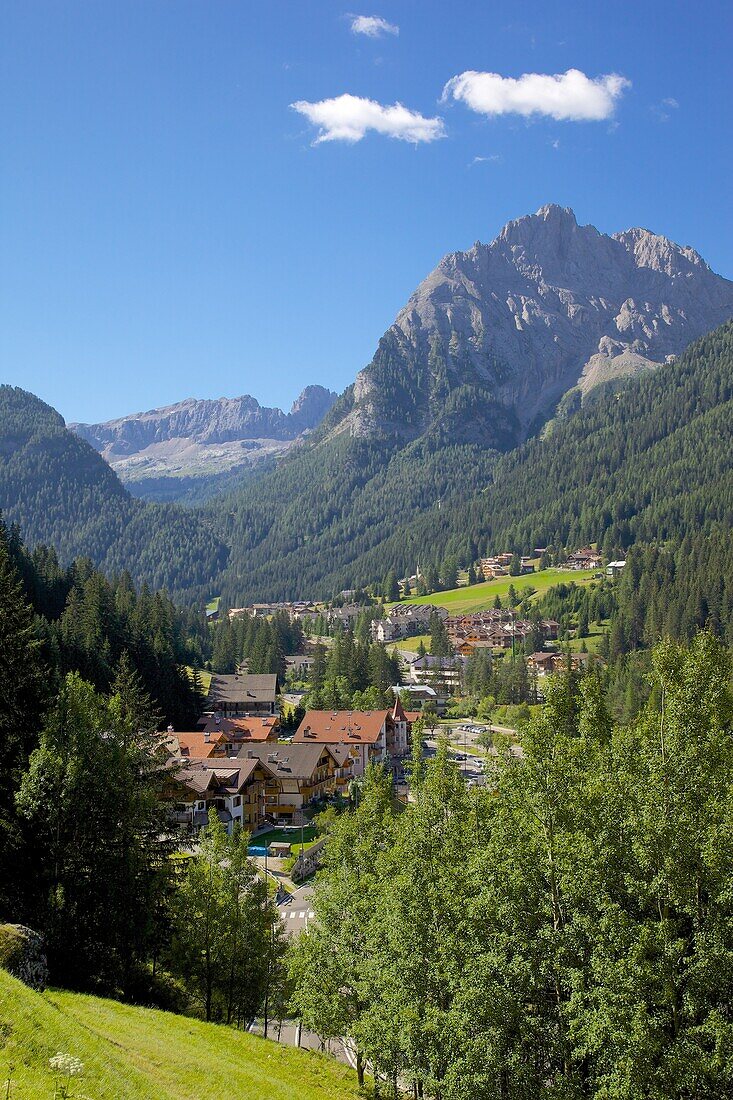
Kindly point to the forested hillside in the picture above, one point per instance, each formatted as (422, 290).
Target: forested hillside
(648, 464)
(324, 516)
(83, 622)
(63, 493)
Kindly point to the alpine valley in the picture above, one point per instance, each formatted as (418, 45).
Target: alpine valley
(487, 396)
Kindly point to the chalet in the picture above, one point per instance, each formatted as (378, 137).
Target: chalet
(587, 558)
(299, 664)
(346, 615)
(242, 694)
(297, 774)
(367, 736)
(364, 732)
(197, 745)
(419, 693)
(233, 789)
(541, 663)
(545, 664)
(386, 630)
(614, 568)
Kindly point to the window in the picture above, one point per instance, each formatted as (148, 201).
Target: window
(237, 800)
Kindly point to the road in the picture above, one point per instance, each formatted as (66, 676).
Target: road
(297, 910)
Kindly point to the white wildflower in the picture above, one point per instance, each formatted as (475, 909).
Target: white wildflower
(66, 1064)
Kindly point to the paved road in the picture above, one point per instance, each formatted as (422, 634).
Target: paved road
(297, 911)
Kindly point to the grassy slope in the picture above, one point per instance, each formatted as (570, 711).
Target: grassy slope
(142, 1054)
(481, 596)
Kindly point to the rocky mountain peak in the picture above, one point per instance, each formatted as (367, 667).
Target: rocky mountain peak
(309, 409)
(659, 253)
(548, 306)
(197, 440)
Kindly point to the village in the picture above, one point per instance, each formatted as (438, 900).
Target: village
(260, 773)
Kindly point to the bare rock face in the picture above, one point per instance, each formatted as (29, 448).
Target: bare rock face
(196, 441)
(224, 420)
(548, 306)
(23, 954)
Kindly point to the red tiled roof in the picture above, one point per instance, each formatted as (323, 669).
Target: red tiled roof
(242, 729)
(196, 746)
(349, 727)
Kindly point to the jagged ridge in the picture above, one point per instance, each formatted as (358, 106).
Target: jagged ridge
(548, 306)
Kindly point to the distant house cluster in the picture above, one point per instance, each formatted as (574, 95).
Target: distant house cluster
(586, 558)
(499, 566)
(406, 620)
(496, 628)
(296, 609)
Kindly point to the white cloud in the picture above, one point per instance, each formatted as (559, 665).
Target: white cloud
(570, 96)
(670, 101)
(350, 117)
(373, 26)
(495, 158)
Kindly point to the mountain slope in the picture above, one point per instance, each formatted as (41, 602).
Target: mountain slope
(477, 361)
(192, 449)
(548, 306)
(63, 493)
(649, 464)
(142, 1054)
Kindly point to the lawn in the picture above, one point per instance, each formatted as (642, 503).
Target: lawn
(288, 836)
(479, 597)
(144, 1054)
(412, 644)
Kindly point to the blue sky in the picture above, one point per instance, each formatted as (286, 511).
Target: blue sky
(170, 226)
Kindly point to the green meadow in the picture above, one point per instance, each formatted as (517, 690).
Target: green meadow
(144, 1054)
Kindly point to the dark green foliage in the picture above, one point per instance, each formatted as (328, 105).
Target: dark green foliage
(320, 522)
(86, 623)
(64, 494)
(565, 934)
(95, 828)
(440, 645)
(262, 642)
(23, 694)
(351, 674)
(227, 945)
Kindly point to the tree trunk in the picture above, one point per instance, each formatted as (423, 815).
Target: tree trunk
(360, 1068)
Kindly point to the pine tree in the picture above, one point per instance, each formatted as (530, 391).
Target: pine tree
(23, 697)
